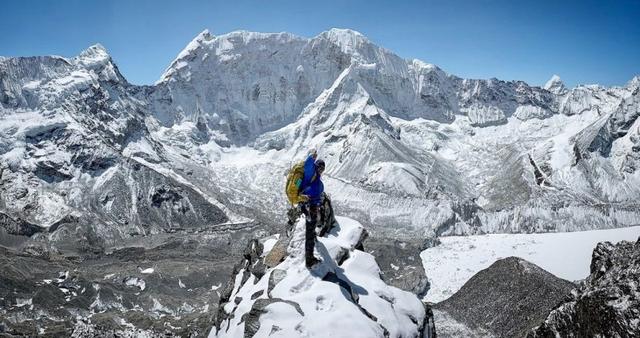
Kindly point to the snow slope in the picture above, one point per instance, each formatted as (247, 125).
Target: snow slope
(567, 255)
(341, 297)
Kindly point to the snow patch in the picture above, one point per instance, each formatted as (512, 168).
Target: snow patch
(567, 255)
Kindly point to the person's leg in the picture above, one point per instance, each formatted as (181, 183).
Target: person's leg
(310, 235)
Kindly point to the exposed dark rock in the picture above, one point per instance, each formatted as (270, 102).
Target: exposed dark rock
(165, 194)
(256, 294)
(344, 285)
(278, 253)
(327, 216)
(18, 226)
(342, 256)
(276, 277)
(507, 299)
(51, 172)
(253, 260)
(400, 263)
(252, 318)
(360, 244)
(607, 303)
(540, 177)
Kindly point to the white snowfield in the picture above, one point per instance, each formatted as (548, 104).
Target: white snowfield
(325, 308)
(566, 255)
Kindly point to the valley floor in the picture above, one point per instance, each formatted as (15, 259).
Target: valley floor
(566, 254)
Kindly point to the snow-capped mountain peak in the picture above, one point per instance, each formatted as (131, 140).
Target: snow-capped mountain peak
(191, 47)
(95, 51)
(201, 38)
(94, 56)
(96, 59)
(555, 85)
(348, 40)
(419, 64)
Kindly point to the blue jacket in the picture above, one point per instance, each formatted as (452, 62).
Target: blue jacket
(314, 190)
(312, 185)
(309, 171)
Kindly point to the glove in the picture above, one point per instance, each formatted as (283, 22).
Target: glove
(303, 198)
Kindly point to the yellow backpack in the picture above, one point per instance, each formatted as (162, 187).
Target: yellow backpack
(294, 179)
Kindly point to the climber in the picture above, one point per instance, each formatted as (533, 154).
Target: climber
(311, 209)
(297, 179)
(304, 190)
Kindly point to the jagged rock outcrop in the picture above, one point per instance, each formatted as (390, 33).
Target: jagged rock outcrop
(400, 263)
(505, 300)
(607, 303)
(343, 296)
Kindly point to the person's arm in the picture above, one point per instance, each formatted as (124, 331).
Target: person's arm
(309, 171)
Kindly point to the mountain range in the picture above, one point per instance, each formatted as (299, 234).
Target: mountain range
(410, 149)
(107, 174)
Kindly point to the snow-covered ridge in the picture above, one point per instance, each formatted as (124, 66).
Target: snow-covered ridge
(343, 296)
(294, 70)
(218, 45)
(555, 85)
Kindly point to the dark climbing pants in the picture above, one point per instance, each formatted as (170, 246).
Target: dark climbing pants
(311, 213)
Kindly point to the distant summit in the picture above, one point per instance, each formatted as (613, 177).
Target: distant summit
(555, 85)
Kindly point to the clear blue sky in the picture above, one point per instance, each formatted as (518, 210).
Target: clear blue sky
(582, 41)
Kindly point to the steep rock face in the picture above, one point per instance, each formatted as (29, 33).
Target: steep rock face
(490, 102)
(350, 128)
(343, 296)
(505, 300)
(245, 83)
(607, 303)
(242, 84)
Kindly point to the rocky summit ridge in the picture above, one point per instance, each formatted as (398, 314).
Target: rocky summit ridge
(342, 296)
